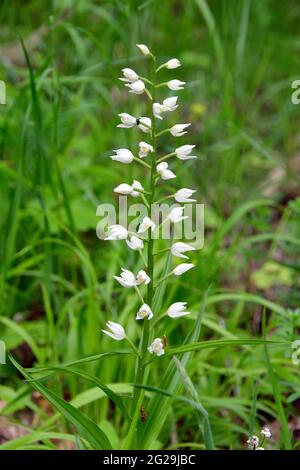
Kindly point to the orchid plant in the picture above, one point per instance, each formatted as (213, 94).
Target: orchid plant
(143, 240)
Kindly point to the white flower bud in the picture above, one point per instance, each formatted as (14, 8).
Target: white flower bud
(178, 130)
(137, 87)
(176, 215)
(144, 49)
(136, 185)
(162, 170)
(157, 110)
(183, 152)
(157, 347)
(182, 268)
(175, 85)
(178, 248)
(146, 224)
(176, 310)
(127, 120)
(170, 104)
(122, 156)
(145, 124)
(144, 312)
(173, 64)
(126, 278)
(135, 243)
(184, 195)
(124, 189)
(116, 332)
(117, 232)
(129, 75)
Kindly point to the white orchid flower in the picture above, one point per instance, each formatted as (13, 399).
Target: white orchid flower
(136, 185)
(135, 243)
(184, 152)
(176, 215)
(122, 156)
(144, 312)
(137, 87)
(158, 109)
(178, 309)
(145, 149)
(182, 268)
(145, 123)
(175, 85)
(157, 347)
(116, 332)
(124, 189)
(179, 129)
(117, 232)
(142, 278)
(146, 224)
(162, 170)
(173, 64)
(126, 279)
(184, 195)
(127, 121)
(170, 104)
(129, 76)
(144, 49)
(178, 248)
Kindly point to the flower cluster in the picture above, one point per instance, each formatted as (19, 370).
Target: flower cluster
(158, 170)
(254, 443)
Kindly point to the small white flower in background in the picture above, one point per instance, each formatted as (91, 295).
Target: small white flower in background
(145, 123)
(259, 448)
(176, 215)
(146, 224)
(135, 243)
(122, 156)
(157, 347)
(162, 170)
(136, 188)
(179, 129)
(253, 442)
(183, 152)
(266, 432)
(144, 312)
(176, 310)
(129, 76)
(182, 268)
(178, 248)
(117, 232)
(126, 278)
(169, 104)
(157, 110)
(137, 87)
(116, 331)
(127, 120)
(173, 64)
(145, 149)
(144, 49)
(175, 85)
(184, 195)
(142, 278)
(124, 189)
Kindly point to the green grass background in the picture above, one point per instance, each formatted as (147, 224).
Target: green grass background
(61, 61)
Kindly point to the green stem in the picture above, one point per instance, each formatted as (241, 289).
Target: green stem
(165, 157)
(141, 162)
